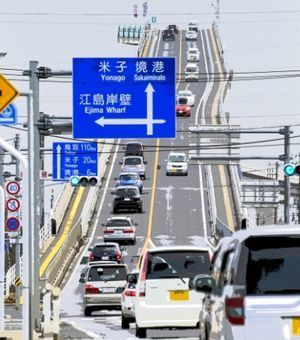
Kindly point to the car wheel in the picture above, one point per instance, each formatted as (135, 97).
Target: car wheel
(167, 174)
(186, 174)
(133, 242)
(115, 210)
(87, 311)
(140, 332)
(124, 323)
(140, 210)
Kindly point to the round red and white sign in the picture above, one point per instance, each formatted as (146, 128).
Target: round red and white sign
(12, 204)
(13, 188)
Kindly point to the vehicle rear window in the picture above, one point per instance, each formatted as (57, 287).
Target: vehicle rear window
(102, 250)
(191, 69)
(273, 265)
(133, 161)
(126, 192)
(183, 101)
(128, 177)
(98, 273)
(117, 223)
(185, 264)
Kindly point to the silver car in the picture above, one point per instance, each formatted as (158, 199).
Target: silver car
(121, 229)
(103, 286)
(134, 164)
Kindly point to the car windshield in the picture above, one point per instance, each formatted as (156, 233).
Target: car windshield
(126, 192)
(273, 265)
(184, 94)
(177, 158)
(183, 264)
(182, 101)
(128, 177)
(191, 69)
(193, 51)
(133, 161)
(115, 273)
(118, 223)
(104, 250)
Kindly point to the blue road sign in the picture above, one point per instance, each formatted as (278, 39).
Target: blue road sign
(124, 98)
(9, 115)
(74, 159)
(12, 224)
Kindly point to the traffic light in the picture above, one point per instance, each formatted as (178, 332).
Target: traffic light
(83, 181)
(291, 169)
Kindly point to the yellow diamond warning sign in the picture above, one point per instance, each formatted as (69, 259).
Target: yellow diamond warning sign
(7, 93)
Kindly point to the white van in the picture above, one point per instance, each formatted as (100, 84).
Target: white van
(163, 296)
(191, 72)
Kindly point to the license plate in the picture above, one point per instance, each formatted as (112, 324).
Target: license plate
(179, 295)
(296, 326)
(109, 290)
(118, 231)
(126, 199)
(173, 170)
(105, 257)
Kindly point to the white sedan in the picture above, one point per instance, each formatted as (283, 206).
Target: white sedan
(191, 35)
(193, 54)
(187, 94)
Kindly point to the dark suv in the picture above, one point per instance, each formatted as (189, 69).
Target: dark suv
(106, 251)
(168, 35)
(134, 149)
(127, 198)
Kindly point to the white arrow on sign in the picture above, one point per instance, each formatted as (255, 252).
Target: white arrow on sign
(149, 121)
(58, 161)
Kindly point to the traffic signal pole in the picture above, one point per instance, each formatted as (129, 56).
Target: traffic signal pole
(286, 182)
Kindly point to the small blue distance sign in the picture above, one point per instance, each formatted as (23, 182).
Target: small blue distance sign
(124, 98)
(9, 115)
(74, 159)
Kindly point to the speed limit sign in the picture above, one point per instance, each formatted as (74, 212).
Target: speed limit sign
(13, 187)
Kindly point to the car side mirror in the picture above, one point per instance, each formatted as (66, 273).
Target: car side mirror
(115, 178)
(120, 163)
(90, 249)
(113, 192)
(166, 160)
(103, 225)
(136, 224)
(145, 162)
(82, 280)
(203, 283)
(132, 278)
(122, 248)
(82, 275)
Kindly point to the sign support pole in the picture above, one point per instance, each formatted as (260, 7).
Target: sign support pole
(2, 256)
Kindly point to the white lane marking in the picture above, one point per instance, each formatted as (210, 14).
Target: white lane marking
(74, 324)
(169, 199)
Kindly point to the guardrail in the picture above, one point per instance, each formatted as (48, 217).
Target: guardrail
(75, 237)
(212, 211)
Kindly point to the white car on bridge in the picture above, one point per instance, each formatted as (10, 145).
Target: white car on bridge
(187, 94)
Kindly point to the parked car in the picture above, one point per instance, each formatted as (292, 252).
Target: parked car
(193, 54)
(127, 198)
(128, 300)
(132, 179)
(187, 94)
(183, 108)
(175, 28)
(103, 286)
(193, 26)
(121, 229)
(191, 72)
(191, 35)
(163, 296)
(177, 164)
(254, 289)
(168, 35)
(106, 251)
(134, 149)
(134, 164)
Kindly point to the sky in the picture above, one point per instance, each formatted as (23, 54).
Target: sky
(257, 35)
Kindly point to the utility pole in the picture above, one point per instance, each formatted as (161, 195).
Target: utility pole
(276, 178)
(17, 244)
(286, 182)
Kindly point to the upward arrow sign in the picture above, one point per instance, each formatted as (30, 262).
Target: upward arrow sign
(149, 90)
(58, 162)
